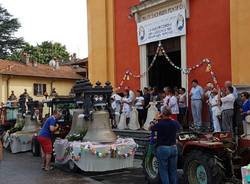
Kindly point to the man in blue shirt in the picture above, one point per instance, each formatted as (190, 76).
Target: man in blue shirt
(245, 109)
(45, 139)
(166, 150)
(197, 96)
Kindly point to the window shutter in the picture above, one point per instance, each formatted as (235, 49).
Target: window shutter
(44, 88)
(35, 87)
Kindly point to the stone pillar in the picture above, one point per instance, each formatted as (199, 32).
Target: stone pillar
(101, 40)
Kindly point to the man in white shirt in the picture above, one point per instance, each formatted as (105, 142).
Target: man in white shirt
(227, 107)
(171, 101)
(167, 96)
(197, 96)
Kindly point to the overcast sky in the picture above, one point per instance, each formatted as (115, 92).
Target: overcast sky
(63, 21)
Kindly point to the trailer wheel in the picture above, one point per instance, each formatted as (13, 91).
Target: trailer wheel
(35, 146)
(72, 166)
(202, 168)
(150, 166)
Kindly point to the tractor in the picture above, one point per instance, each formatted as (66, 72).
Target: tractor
(206, 158)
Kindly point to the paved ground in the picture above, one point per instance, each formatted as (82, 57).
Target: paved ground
(23, 168)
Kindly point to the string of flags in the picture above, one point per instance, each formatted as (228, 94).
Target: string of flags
(160, 50)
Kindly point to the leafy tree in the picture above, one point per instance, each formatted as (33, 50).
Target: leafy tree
(8, 26)
(42, 53)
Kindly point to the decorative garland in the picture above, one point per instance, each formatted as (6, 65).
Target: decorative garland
(160, 49)
(112, 151)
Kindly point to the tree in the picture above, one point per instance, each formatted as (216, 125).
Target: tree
(8, 26)
(42, 53)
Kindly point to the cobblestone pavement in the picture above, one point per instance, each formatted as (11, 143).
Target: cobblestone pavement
(23, 168)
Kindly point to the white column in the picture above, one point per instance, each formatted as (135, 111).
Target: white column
(144, 66)
(184, 77)
(183, 61)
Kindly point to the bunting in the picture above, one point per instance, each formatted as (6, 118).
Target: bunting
(160, 49)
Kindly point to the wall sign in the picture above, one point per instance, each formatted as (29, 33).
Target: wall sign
(162, 27)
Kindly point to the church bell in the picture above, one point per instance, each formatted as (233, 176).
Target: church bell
(99, 128)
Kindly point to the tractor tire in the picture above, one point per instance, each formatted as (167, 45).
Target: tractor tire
(150, 167)
(233, 181)
(202, 168)
(35, 147)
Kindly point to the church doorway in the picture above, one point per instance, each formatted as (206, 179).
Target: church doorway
(163, 74)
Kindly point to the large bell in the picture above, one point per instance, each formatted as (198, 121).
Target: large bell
(79, 125)
(99, 129)
(19, 121)
(30, 125)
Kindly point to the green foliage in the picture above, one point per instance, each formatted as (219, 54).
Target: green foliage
(13, 48)
(77, 137)
(42, 53)
(8, 26)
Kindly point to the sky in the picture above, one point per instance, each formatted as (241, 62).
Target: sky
(63, 21)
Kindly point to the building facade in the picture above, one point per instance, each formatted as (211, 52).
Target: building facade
(16, 76)
(216, 31)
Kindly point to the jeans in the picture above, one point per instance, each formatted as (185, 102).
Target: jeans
(196, 106)
(167, 158)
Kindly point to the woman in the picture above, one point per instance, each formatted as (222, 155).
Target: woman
(215, 108)
(139, 104)
(173, 104)
(245, 109)
(45, 139)
(126, 111)
(182, 117)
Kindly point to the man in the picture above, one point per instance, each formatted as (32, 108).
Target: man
(167, 96)
(166, 150)
(227, 107)
(229, 84)
(45, 139)
(1, 148)
(171, 101)
(197, 96)
(209, 96)
(245, 109)
(146, 96)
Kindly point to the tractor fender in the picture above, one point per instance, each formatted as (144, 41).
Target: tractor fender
(202, 145)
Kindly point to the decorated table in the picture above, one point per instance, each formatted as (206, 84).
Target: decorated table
(96, 157)
(20, 141)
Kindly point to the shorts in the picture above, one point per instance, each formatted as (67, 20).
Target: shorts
(46, 144)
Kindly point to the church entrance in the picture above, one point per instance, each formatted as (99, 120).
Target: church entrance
(163, 74)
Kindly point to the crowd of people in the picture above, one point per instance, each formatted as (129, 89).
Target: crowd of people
(222, 105)
(135, 110)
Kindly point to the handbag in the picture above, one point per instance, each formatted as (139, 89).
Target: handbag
(218, 111)
(247, 119)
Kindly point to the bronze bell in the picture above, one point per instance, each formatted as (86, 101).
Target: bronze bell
(30, 125)
(99, 128)
(79, 124)
(19, 120)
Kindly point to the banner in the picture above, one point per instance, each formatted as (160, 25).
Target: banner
(163, 27)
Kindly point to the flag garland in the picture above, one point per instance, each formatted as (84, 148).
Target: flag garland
(128, 74)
